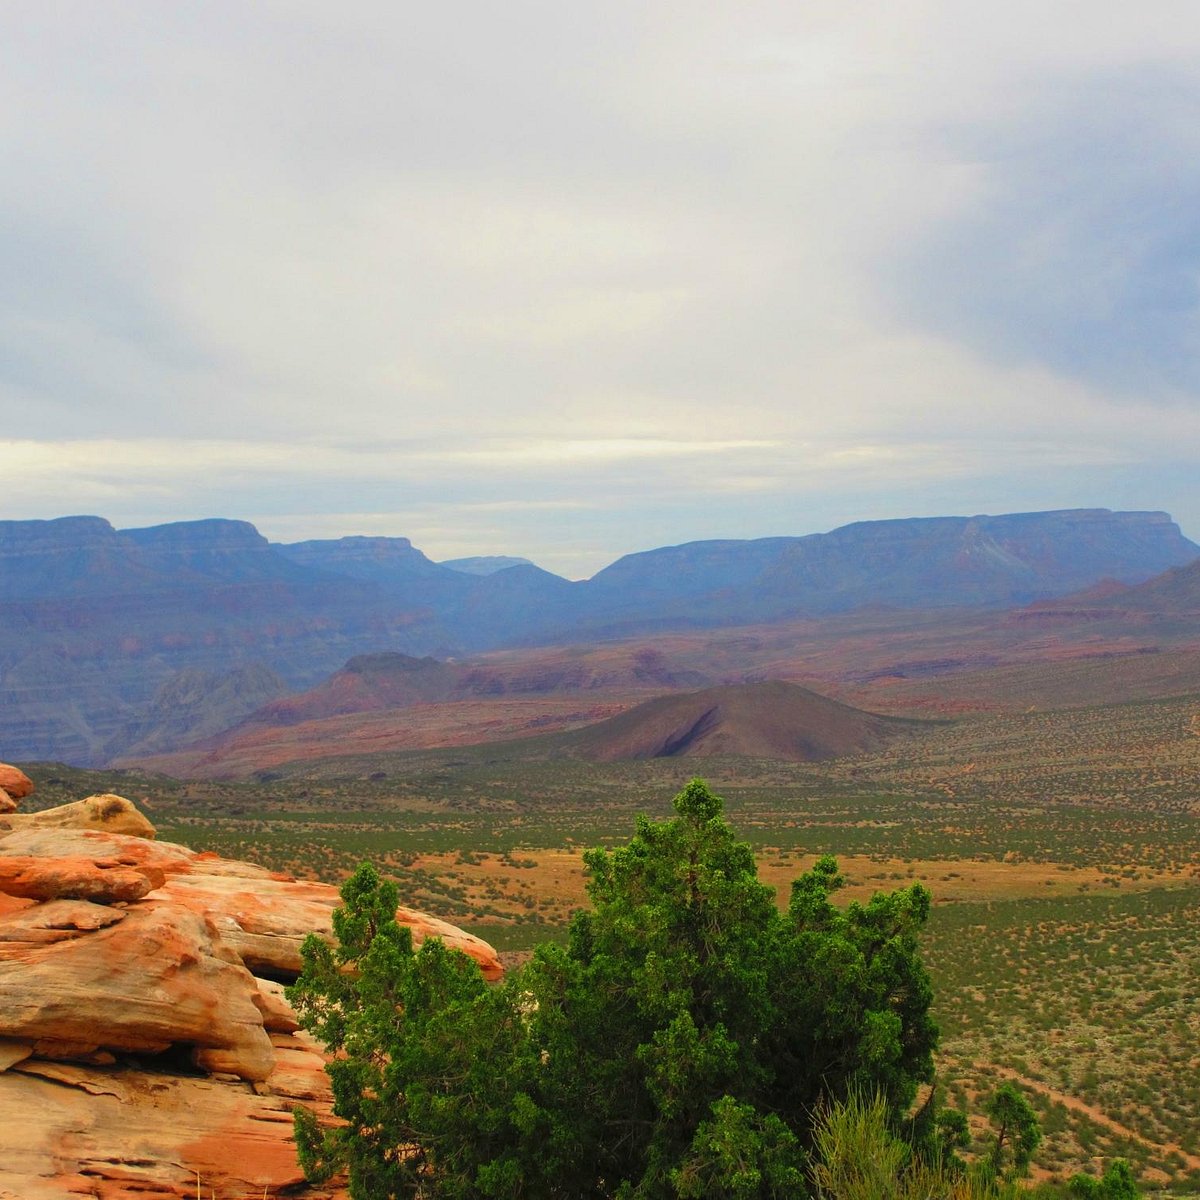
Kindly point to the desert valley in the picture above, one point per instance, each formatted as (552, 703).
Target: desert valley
(1006, 709)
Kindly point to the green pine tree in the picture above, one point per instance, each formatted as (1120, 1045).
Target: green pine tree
(680, 1045)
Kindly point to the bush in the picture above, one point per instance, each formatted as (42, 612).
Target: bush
(1117, 1183)
(859, 1157)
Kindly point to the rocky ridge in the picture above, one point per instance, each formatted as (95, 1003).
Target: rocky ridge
(146, 1046)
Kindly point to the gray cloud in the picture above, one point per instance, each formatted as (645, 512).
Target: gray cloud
(80, 332)
(1082, 251)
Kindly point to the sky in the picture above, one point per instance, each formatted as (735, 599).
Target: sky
(572, 280)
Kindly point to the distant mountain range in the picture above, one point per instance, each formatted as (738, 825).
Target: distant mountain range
(111, 639)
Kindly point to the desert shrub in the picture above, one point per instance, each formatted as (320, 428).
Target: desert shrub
(1117, 1183)
(858, 1156)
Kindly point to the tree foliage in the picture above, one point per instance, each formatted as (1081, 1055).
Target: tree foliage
(1018, 1133)
(680, 1044)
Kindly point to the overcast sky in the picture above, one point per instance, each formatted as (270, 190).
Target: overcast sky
(568, 280)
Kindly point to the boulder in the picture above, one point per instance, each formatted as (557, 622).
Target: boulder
(112, 814)
(7, 803)
(156, 978)
(65, 842)
(56, 921)
(424, 926)
(15, 782)
(277, 1014)
(103, 881)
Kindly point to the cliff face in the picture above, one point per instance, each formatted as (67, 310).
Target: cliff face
(229, 551)
(386, 560)
(66, 557)
(95, 623)
(79, 556)
(918, 563)
(104, 633)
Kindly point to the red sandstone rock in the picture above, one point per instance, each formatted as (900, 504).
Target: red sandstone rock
(103, 881)
(13, 1051)
(60, 1048)
(15, 782)
(69, 1131)
(156, 978)
(263, 915)
(55, 921)
(7, 803)
(266, 920)
(278, 1015)
(424, 926)
(66, 842)
(93, 983)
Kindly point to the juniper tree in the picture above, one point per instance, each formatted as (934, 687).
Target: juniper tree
(679, 1045)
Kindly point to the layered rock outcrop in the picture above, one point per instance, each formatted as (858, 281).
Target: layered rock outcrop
(146, 1045)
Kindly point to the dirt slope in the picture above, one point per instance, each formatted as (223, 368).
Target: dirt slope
(762, 720)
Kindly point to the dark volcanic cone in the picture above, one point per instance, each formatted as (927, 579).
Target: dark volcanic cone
(759, 720)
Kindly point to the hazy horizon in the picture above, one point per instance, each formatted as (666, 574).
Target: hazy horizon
(266, 532)
(569, 282)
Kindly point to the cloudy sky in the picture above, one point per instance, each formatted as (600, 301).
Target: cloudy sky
(570, 280)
